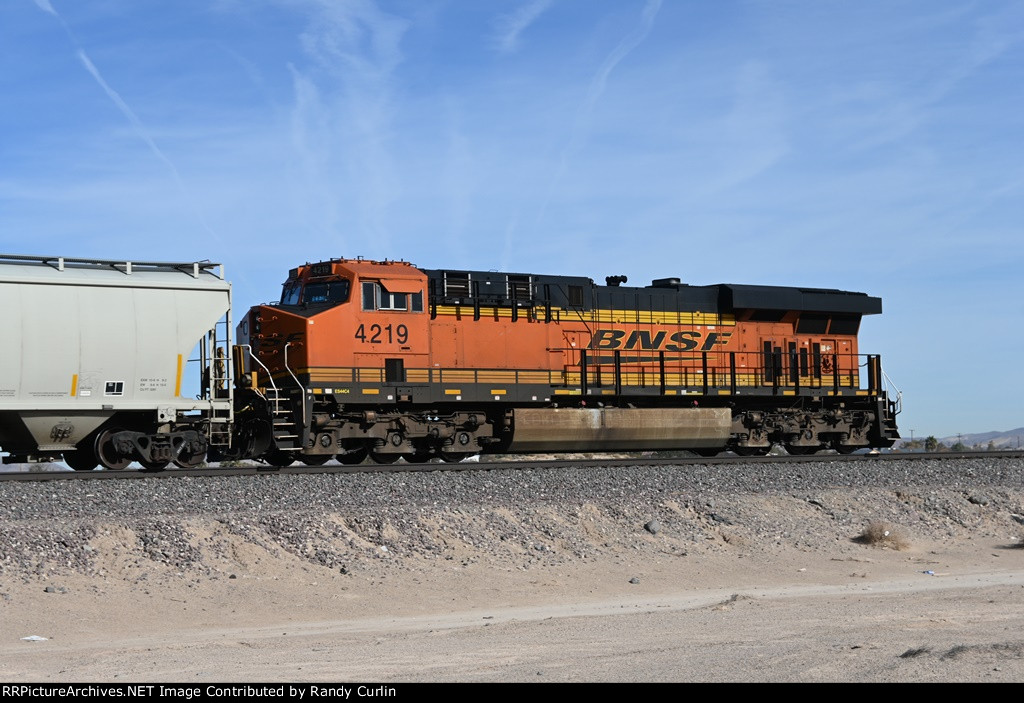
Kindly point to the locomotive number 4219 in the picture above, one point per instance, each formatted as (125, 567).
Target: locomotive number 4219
(388, 334)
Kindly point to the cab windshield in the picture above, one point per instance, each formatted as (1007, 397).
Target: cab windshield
(326, 293)
(315, 293)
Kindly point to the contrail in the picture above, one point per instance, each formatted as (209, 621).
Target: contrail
(140, 129)
(127, 111)
(630, 42)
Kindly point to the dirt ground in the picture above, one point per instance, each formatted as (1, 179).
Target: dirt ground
(949, 610)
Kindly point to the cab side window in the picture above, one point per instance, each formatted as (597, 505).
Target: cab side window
(369, 295)
(377, 297)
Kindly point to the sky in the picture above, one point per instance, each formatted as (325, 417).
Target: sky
(873, 146)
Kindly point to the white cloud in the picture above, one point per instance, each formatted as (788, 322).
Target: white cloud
(512, 25)
(45, 6)
(355, 41)
(751, 138)
(343, 117)
(596, 88)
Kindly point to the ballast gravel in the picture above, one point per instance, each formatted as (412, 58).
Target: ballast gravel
(518, 518)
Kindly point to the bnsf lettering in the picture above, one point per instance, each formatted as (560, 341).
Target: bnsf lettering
(607, 339)
(658, 341)
(644, 339)
(685, 341)
(713, 338)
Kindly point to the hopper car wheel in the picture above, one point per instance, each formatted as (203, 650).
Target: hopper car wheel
(107, 454)
(417, 457)
(353, 456)
(455, 457)
(279, 457)
(382, 458)
(153, 465)
(841, 448)
(81, 460)
(707, 451)
(315, 459)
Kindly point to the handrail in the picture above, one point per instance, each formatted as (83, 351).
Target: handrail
(651, 370)
(296, 379)
(898, 402)
(269, 376)
(192, 268)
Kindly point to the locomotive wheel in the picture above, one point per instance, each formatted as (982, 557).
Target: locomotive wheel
(382, 458)
(353, 456)
(707, 451)
(279, 457)
(315, 459)
(455, 457)
(190, 461)
(802, 451)
(254, 436)
(845, 448)
(80, 460)
(417, 457)
(752, 451)
(107, 455)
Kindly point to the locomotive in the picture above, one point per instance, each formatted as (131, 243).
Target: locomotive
(385, 360)
(388, 360)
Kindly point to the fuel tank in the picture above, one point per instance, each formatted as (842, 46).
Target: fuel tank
(586, 429)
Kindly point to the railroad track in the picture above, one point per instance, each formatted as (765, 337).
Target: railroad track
(502, 464)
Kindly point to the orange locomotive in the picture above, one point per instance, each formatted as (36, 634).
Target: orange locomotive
(387, 360)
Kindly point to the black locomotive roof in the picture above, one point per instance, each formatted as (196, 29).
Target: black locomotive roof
(804, 299)
(493, 287)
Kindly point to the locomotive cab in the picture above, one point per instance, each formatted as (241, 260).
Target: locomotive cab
(344, 331)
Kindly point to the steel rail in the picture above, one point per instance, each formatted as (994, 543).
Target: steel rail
(496, 465)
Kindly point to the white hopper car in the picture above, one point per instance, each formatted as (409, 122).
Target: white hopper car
(94, 356)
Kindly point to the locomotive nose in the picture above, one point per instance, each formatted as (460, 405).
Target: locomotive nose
(275, 338)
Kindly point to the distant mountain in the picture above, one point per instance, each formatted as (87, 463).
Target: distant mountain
(1011, 439)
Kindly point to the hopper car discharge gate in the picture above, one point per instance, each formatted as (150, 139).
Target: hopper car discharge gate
(96, 361)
